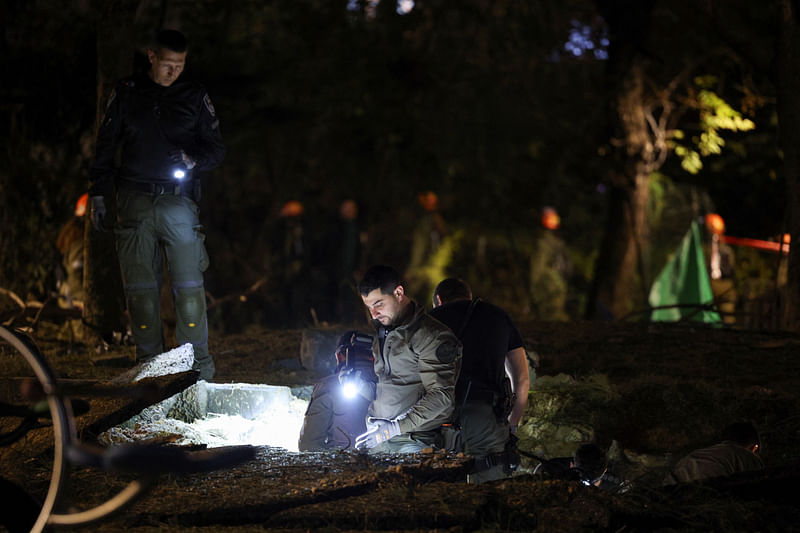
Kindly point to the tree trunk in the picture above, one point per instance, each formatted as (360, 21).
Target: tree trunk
(788, 100)
(631, 161)
(103, 312)
(620, 261)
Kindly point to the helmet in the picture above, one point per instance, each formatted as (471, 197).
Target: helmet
(80, 206)
(715, 224)
(348, 209)
(550, 218)
(292, 208)
(428, 200)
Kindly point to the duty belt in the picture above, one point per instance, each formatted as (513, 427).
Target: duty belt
(157, 189)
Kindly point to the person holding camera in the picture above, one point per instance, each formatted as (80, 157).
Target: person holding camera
(492, 389)
(168, 132)
(337, 412)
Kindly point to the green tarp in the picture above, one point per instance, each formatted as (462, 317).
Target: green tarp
(684, 283)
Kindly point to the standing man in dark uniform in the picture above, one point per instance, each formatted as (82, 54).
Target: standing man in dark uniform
(169, 132)
(492, 389)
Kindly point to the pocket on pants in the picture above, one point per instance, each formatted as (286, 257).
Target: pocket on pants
(137, 254)
(126, 244)
(202, 259)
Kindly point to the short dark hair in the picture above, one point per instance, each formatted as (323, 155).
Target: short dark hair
(381, 277)
(171, 40)
(452, 289)
(742, 433)
(590, 460)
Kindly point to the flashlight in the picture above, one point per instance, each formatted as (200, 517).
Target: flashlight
(349, 389)
(351, 383)
(179, 174)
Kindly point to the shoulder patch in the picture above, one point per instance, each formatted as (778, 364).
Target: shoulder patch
(209, 105)
(447, 352)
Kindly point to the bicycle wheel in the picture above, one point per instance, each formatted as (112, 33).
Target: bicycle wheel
(34, 423)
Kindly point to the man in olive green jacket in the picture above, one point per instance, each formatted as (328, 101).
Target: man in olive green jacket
(417, 360)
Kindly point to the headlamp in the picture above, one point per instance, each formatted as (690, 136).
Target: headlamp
(178, 173)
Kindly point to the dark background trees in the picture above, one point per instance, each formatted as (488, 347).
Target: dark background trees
(501, 108)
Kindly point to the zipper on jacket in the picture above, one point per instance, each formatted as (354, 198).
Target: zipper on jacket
(383, 333)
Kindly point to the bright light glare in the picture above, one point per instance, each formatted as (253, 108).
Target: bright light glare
(404, 7)
(278, 427)
(273, 418)
(349, 390)
(179, 174)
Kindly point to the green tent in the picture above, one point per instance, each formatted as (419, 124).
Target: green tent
(682, 282)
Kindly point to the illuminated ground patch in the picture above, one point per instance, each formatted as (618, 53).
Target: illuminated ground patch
(217, 415)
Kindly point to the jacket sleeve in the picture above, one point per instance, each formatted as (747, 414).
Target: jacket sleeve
(439, 362)
(101, 175)
(208, 150)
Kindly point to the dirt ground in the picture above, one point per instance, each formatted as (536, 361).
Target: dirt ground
(647, 392)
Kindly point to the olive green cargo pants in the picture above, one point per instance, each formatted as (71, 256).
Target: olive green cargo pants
(483, 435)
(149, 225)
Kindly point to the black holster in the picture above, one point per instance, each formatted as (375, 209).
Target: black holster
(504, 402)
(449, 438)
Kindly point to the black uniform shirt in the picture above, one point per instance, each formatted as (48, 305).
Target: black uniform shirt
(489, 335)
(150, 121)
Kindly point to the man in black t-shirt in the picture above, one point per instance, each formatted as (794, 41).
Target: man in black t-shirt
(492, 388)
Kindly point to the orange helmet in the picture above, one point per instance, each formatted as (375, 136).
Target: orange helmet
(428, 200)
(80, 206)
(348, 209)
(550, 218)
(292, 208)
(715, 224)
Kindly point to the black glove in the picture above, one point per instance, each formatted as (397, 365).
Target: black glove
(179, 157)
(98, 213)
(381, 430)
